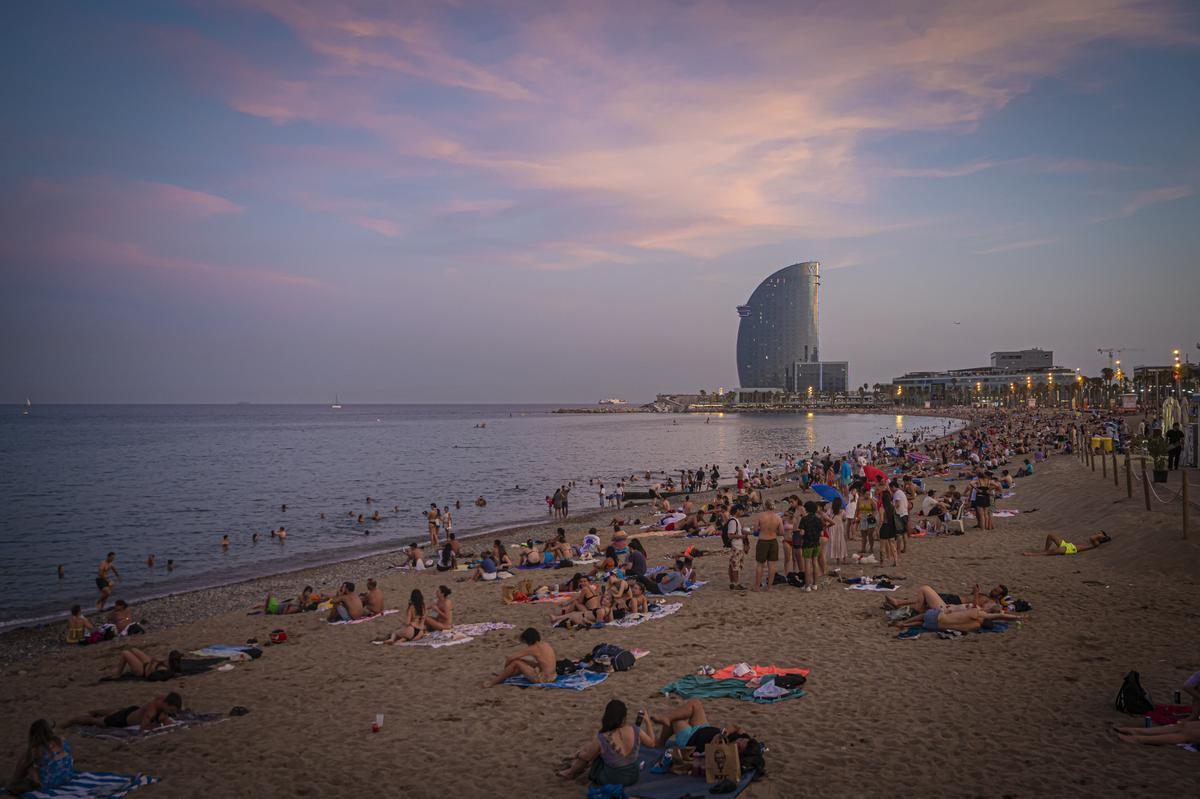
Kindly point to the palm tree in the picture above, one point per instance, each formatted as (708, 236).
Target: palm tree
(1107, 374)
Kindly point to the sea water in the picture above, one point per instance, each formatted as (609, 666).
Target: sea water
(79, 481)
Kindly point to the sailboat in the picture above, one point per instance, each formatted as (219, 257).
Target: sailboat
(337, 406)
(28, 405)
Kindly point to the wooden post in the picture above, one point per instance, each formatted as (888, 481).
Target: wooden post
(1128, 477)
(1092, 457)
(1145, 484)
(1183, 471)
(1114, 459)
(1103, 468)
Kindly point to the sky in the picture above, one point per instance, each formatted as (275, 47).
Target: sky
(284, 200)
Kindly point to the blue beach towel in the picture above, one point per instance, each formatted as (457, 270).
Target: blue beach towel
(578, 681)
(674, 786)
(94, 785)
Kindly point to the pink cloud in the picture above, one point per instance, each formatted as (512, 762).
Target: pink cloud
(132, 198)
(736, 129)
(1144, 199)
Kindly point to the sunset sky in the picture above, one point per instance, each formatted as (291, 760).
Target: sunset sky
(280, 200)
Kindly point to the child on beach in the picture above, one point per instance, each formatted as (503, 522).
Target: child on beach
(808, 532)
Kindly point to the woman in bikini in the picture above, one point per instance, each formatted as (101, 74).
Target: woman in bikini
(414, 623)
(139, 664)
(583, 607)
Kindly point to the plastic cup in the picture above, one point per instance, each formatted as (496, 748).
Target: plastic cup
(378, 723)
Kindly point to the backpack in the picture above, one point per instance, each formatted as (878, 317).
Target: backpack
(623, 660)
(725, 540)
(1133, 698)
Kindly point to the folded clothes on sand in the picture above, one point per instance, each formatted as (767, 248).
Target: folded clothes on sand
(675, 786)
(634, 619)
(870, 587)
(578, 681)
(93, 785)
(182, 720)
(372, 617)
(695, 686)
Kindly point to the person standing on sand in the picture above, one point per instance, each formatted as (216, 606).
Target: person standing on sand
(900, 505)
(766, 552)
(739, 542)
(102, 581)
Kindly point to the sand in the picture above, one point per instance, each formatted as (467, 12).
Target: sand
(1021, 713)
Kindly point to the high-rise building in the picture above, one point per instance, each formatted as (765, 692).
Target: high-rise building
(779, 327)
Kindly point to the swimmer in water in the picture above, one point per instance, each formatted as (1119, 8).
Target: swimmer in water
(282, 534)
(283, 508)
(61, 571)
(225, 542)
(322, 515)
(480, 502)
(150, 561)
(254, 538)
(170, 565)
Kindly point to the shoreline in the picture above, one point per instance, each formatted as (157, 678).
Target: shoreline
(25, 639)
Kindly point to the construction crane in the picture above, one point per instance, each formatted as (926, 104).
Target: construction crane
(1116, 350)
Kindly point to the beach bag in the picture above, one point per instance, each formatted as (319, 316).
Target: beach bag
(1133, 698)
(565, 666)
(721, 762)
(725, 540)
(623, 660)
(681, 760)
(790, 682)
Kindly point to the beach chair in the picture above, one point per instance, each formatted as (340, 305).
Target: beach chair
(956, 525)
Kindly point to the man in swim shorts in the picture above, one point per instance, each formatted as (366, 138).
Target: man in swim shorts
(766, 551)
(102, 581)
(1061, 546)
(156, 712)
(535, 662)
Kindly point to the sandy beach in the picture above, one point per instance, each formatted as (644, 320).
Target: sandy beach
(1020, 713)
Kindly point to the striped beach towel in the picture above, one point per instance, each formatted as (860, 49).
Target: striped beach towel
(94, 785)
(458, 634)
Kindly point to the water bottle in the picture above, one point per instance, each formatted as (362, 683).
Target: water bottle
(1146, 720)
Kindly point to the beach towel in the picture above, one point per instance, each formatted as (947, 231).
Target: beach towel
(695, 686)
(1162, 715)
(755, 671)
(1005, 514)
(458, 634)
(674, 786)
(578, 681)
(94, 785)
(364, 618)
(634, 619)
(869, 587)
(183, 720)
(685, 592)
(227, 652)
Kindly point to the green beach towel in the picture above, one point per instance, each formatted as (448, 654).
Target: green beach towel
(698, 687)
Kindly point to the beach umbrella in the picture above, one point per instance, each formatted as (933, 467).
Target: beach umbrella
(828, 493)
(874, 475)
(891, 451)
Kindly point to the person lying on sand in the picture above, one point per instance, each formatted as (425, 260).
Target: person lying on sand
(612, 757)
(414, 621)
(346, 604)
(156, 712)
(441, 615)
(1183, 732)
(535, 662)
(139, 664)
(687, 725)
(306, 602)
(927, 598)
(1061, 546)
(967, 621)
(373, 599)
(581, 608)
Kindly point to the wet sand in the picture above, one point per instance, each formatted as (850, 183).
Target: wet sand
(1020, 713)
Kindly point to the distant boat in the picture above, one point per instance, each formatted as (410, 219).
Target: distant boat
(28, 405)
(612, 401)
(337, 406)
